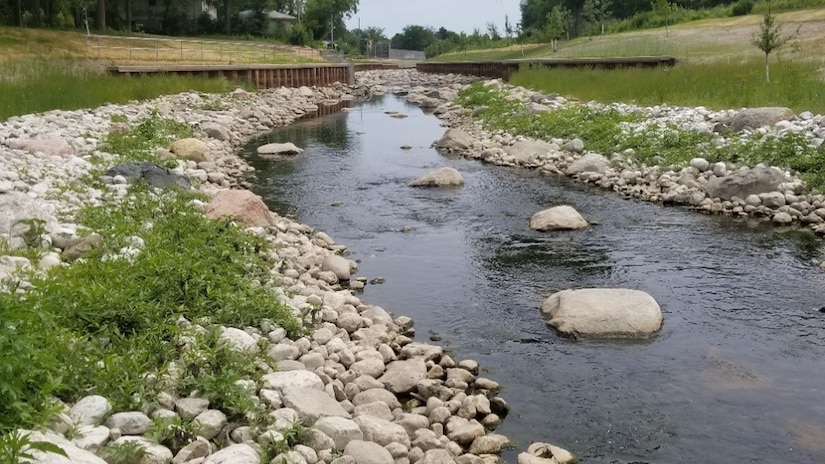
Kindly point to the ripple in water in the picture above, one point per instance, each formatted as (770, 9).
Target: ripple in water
(734, 376)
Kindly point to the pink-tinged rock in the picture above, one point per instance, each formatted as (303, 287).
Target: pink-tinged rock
(241, 205)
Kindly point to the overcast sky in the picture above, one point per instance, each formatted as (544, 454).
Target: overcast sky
(455, 15)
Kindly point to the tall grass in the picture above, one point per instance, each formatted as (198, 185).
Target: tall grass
(39, 85)
(730, 84)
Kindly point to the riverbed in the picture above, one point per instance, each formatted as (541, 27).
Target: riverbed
(736, 374)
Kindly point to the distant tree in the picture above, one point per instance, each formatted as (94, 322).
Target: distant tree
(596, 12)
(769, 38)
(414, 37)
(508, 27)
(321, 17)
(100, 23)
(492, 31)
(663, 8)
(558, 22)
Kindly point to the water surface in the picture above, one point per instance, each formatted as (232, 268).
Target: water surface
(736, 374)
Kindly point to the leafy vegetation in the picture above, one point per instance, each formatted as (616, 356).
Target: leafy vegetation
(110, 324)
(609, 131)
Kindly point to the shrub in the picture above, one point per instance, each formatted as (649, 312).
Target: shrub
(742, 8)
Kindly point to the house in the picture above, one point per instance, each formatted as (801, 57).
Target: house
(275, 20)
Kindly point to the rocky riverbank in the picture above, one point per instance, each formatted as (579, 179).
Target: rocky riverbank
(356, 390)
(763, 192)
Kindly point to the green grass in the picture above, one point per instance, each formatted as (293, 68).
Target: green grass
(39, 85)
(731, 84)
(603, 131)
(108, 325)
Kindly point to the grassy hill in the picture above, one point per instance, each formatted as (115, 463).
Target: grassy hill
(707, 40)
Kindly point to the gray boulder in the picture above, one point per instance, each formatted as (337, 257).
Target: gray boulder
(338, 265)
(312, 404)
(74, 455)
(745, 182)
(558, 218)
(279, 149)
(403, 376)
(367, 452)
(443, 177)
(454, 140)
(50, 146)
(590, 162)
(603, 313)
(340, 429)
(293, 379)
(754, 118)
(155, 175)
(381, 431)
(90, 410)
(130, 423)
(217, 131)
(190, 149)
(527, 150)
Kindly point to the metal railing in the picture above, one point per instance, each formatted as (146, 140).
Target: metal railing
(158, 49)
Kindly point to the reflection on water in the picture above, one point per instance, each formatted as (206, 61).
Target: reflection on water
(735, 375)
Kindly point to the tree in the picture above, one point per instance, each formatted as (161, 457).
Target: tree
(508, 27)
(414, 37)
(322, 17)
(557, 23)
(663, 8)
(492, 31)
(769, 38)
(100, 22)
(596, 12)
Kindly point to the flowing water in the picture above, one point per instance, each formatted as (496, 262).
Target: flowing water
(735, 376)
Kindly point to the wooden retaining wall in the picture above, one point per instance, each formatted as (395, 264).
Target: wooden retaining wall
(261, 76)
(505, 68)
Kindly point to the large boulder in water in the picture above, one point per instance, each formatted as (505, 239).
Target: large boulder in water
(603, 313)
(279, 149)
(454, 140)
(439, 178)
(155, 175)
(754, 118)
(558, 218)
(745, 182)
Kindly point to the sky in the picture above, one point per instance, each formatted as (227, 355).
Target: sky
(455, 15)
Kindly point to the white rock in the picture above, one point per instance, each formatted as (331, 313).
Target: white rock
(603, 313)
(74, 454)
(209, 423)
(558, 218)
(279, 149)
(403, 376)
(443, 177)
(312, 404)
(129, 423)
(381, 431)
(90, 410)
(235, 454)
(340, 429)
(366, 452)
(292, 379)
(238, 340)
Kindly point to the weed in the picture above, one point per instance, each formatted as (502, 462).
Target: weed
(16, 448)
(138, 144)
(172, 432)
(124, 453)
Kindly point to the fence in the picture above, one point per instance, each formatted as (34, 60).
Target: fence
(143, 49)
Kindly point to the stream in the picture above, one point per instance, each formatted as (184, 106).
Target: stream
(735, 376)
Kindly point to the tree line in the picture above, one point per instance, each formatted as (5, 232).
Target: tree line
(317, 18)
